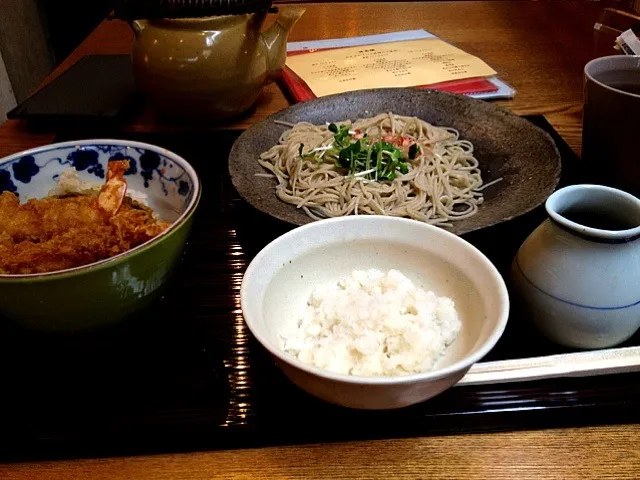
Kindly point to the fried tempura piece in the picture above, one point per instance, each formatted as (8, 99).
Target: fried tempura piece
(57, 233)
(18, 222)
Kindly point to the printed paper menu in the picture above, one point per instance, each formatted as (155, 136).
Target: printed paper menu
(398, 64)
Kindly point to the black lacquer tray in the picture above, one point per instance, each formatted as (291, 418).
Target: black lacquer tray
(187, 375)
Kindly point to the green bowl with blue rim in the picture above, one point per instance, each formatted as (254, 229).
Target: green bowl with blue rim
(110, 290)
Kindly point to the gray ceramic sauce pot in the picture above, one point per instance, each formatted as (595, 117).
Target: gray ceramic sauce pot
(580, 284)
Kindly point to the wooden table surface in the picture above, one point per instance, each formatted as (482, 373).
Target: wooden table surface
(540, 49)
(587, 453)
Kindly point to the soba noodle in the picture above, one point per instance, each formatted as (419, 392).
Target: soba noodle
(442, 184)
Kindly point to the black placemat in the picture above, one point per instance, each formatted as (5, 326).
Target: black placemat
(186, 374)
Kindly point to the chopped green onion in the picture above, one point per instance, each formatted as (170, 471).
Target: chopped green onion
(364, 158)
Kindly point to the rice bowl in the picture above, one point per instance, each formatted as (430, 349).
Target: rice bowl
(281, 278)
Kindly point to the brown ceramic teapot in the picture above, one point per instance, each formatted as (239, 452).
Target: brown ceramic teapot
(209, 68)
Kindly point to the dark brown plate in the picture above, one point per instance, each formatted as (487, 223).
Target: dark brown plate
(506, 146)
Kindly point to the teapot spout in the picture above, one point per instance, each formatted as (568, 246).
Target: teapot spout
(137, 26)
(275, 39)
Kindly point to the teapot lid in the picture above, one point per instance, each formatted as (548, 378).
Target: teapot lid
(154, 9)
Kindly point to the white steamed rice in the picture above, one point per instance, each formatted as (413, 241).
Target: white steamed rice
(373, 324)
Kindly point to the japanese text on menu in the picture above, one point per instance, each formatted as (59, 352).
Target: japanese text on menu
(410, 63)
